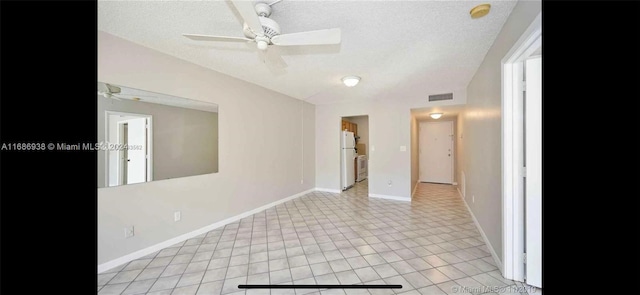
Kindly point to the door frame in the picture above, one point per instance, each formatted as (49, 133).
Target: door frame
(342, 117)
(453, 146)
(122, 172)
(149, 176)
(513, 266)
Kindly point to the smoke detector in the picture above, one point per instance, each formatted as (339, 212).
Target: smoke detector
(480, 10)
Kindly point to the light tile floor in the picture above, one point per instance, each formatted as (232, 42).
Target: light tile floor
(429, 246)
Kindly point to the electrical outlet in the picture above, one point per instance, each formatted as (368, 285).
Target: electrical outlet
(177, 216)
(389, 183)
(301, 181)
(473, 198)
(128, 231)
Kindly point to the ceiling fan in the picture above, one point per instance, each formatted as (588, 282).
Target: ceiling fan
(265, 32)
(109, 91)
(112, 91)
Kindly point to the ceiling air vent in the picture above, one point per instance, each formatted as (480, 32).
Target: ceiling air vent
(446, 96)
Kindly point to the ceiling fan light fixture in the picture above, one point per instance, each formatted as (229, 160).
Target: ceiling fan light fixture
(351, 81)
(262, 45)
(435, 115)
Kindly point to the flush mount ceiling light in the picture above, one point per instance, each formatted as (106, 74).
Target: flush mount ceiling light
(480, 10)
(351, 81)
(435, 115)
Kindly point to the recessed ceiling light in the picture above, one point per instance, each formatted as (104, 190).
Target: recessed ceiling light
(351, 81)
(480, 10)
(435, 115)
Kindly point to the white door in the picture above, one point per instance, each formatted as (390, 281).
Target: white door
(436, 151)
(533, 176)
(137, 153)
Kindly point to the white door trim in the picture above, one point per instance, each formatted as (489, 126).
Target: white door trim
(512, 207)
(149, 143)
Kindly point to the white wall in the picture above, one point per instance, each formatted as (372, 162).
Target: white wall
(263, 152)
(389, 128)
(481, 131)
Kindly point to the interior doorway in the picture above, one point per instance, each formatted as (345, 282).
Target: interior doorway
(436, 152)
(128, 148)
(354, 153)
(522, 158)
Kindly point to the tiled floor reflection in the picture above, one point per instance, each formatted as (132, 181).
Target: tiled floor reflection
(429, 246)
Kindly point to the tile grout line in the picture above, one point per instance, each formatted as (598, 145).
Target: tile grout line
(134, 279)
(320, 215)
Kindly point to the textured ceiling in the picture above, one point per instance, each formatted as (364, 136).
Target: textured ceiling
(401, 49)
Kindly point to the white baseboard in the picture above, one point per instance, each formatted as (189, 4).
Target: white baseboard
(496, 259)
(327, 190)
(157, 247)
(396, 198)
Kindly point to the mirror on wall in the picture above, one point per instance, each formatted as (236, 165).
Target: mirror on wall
(146, 136)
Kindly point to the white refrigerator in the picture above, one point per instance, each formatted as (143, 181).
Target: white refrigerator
(348, 154)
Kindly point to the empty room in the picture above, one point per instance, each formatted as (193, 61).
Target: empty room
(319, 147)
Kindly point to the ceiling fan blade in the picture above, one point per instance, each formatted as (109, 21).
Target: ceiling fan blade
(249, 15)
(113, 89)
(108, 95)
(320, 37)
(215, 38)
(102, 87)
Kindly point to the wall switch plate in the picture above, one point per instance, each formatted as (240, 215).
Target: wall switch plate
(128, 231)
(473, 199)
(177, 216)
(373, 148)
(301, 181)
(403, 148)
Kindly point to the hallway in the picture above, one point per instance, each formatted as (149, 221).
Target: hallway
(429, 246)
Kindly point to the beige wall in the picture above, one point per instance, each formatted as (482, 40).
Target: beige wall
(459, 146)
(414, 154)
(265, 151)
(481, 130)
